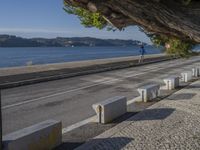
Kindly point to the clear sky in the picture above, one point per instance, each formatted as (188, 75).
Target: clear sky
(46, 18)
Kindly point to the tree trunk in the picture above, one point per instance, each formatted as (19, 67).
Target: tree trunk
(167, 17)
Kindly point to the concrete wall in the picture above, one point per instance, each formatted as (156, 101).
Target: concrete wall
(110, 109)
(171, 83)
(43, 136)
(149, 92)
(19, 76)
(70, 65)
(196, 71)
(186, 76)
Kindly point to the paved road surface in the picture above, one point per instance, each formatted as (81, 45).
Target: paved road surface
(70, 99)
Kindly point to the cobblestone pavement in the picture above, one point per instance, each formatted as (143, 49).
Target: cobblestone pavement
(171, 124)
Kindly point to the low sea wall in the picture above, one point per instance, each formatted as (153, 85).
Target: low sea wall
(18, 76)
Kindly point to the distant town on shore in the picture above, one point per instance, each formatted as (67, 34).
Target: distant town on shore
(15, 41)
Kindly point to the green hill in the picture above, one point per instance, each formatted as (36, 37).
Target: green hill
(14, 41)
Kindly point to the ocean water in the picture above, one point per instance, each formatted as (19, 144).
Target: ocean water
(11, 57)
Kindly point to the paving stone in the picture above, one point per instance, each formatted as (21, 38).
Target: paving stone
(171, 124)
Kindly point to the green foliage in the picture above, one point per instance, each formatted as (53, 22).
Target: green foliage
(176, 46)
(186, 2)
(87, 18)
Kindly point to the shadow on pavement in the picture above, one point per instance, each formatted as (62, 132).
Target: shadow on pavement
(69, 145)
(196, 86)
(182, 96)
(79, 136)
(115, 143)
(153, 114)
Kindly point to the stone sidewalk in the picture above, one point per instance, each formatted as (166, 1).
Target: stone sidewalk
(171, 124)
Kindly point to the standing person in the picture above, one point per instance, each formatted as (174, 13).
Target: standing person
(142, 52)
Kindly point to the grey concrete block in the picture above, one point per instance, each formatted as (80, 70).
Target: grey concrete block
(196, 71)
(171, 82)
(43, 136)
(186, 76)
(110, 109)
(149, 92)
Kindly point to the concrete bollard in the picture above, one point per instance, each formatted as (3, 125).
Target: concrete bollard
(45, 135)
(110, 109)
(196, 72)
(186, 76)
(149, 92)
(171, 82)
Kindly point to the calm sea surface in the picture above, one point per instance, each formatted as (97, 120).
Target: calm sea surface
(10, 57)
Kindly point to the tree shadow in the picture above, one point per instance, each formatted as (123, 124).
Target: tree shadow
(115, 143)
(182, 96)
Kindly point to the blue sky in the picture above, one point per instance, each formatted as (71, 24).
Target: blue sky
(46, 18)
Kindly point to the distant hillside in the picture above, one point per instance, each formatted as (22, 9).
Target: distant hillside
(14, 41)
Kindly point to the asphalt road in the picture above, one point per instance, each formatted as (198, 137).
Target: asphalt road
(70, 100)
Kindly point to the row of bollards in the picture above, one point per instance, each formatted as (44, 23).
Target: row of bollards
(150, 92)
(110, 109)
(50, 131)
